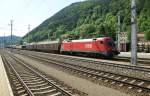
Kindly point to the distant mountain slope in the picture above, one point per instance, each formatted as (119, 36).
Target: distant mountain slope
(92, 18)
(7, 40)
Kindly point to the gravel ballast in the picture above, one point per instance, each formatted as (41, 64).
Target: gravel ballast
(83, 85)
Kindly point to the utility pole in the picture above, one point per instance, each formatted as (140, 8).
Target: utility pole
(28, 32)
(4, 40)
(118, 35)
(48, 36)
(133, 33)
(11, 24)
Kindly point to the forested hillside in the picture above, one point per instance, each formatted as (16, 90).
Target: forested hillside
(7, 40)
(92, 18)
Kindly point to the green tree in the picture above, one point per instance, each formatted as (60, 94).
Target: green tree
(92, 18)
(147, 35)
(87, 30)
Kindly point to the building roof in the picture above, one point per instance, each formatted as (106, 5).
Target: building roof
(141, 34)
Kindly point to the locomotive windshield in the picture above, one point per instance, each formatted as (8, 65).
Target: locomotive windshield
(111, 43)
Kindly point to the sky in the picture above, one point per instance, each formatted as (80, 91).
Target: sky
(27, 12)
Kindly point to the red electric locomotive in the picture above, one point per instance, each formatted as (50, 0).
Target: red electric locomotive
(104, 46)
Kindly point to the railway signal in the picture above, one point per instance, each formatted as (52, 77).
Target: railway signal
(123, 40)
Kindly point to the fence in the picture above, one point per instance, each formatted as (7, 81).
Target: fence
(141, 47)
(144, 47)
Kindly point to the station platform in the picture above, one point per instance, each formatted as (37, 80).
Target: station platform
(139, 55)
(5, 88)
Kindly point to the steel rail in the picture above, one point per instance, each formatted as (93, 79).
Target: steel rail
(16, 73)
(65, 93)
(133, 67)
(77, 69)
(140, 68)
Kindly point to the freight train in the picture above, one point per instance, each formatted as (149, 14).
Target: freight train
(99, 47)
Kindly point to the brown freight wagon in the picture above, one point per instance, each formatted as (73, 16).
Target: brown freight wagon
(48, 46)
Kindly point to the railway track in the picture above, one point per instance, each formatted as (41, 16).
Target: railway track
(26, 81)
(141, 61)
(138, 85)
(82, 60)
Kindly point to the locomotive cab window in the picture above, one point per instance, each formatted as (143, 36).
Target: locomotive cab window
(110, 43)
(101, 42)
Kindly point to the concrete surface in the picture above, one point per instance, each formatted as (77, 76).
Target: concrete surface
(140, 55)
(5, 89)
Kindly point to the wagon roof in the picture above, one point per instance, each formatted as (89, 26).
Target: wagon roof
(48, 42)
(44, 42)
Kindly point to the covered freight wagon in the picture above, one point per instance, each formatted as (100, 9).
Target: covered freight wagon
(48, 46)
